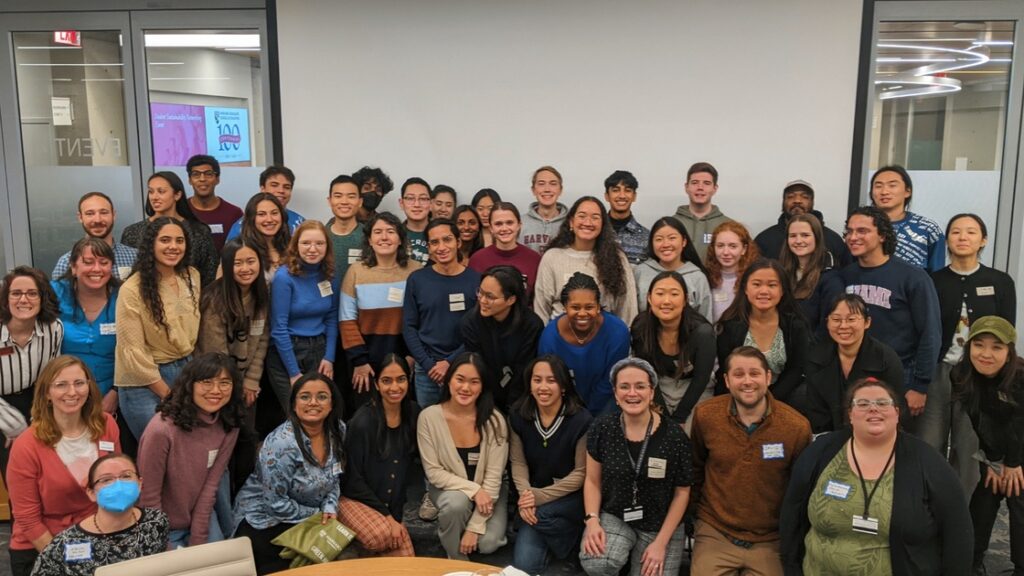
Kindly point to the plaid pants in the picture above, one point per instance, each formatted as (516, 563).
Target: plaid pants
(624, 544)
(372, 529)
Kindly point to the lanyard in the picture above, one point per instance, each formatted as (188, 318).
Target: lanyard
(864, 486)
(639, 462)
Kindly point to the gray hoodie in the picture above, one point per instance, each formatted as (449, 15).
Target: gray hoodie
(700, 229)
(699, 295)
(536, 231)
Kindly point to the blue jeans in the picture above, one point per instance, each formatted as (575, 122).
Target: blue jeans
(221, 519)
(428, 392)
(138, 403)
(558, 528)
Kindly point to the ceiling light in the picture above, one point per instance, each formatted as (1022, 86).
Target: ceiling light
(202, 40)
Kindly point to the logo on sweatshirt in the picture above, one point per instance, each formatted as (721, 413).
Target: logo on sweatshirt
(872, 295)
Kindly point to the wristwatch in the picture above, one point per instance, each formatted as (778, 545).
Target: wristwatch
(587, 517)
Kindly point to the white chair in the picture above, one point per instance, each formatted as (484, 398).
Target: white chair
(226, 558)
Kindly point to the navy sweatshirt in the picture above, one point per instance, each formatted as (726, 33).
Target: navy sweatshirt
(434, 305)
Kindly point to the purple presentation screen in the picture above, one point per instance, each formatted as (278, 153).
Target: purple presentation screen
(179, 131)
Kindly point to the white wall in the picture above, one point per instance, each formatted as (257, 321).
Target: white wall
(477, 93)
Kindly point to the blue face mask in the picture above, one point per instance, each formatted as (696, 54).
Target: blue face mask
(118, 496)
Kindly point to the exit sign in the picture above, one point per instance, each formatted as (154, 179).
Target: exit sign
(68, 37)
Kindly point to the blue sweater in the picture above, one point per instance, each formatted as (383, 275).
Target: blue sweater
(93, 342)
(920, 242)
(298, 309)
(434, 305)
(904, 311)
(590, 363)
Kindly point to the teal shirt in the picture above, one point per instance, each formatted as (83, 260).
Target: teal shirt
(347, 249)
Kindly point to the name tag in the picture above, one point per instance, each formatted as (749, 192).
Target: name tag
(474, 458)
(457, 297)
(77, 551)
(216, 228)
(106, 446)
(256, 328)
(336, 469)
(633, 514)
(456, 306)
(325, 288)
(123, 272)
(656, 468)
(774, 451)
(108, 329)
(986, 291)
(354, 254)
(211, 457)
(867, 525)
(837, 490)
(720, 297)
(395, 294)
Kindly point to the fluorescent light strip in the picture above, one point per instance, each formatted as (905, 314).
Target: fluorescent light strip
(976, 58)
(241, 49)
(102, 79)
(202, 40)
(49, 47)
(166, 63)
(972, 39)
(898, 59)
(994, 42)
(195, 78)
(75, 65)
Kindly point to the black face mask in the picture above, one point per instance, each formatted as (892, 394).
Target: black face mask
(371, 200)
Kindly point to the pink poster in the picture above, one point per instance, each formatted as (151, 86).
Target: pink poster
(179, 131)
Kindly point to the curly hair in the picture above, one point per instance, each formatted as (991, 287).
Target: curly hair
(606, 255)
(579, 281)
(294, 261)
(740, 307)
(803, 286)
(366, 174)
(882, 223)
(711, 263)
(368, 256)
(100, 249)
(49, 306)
(470, 248)
(149, 278)
(254, 237)
(180, 407)
(43, 421)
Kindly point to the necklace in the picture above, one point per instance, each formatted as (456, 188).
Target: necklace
(546, 433)
(96, 522)
(579, 340)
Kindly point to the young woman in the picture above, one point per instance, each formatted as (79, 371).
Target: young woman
(589, 340)
(502, 329)
(635, 518)
(765, 316)
(264, 228)
(303, 311)
(118, 531)
(88, 300)
(809, 266)
(680, 343)
(483, 202)
(506, 250)
(468, 222)
(463, 443)
(165, 198)
(731, 251)
(669, 249)
(185, 450)
(848, 355)
(989, 380)
(234, 314)
(549, 459)
(157, 321)
(297, 474)
(586, 243)
(380, 446)
(50, 461)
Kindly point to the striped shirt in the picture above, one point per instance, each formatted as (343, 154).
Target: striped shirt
(370, 313)
(21, 365)
(124, 259)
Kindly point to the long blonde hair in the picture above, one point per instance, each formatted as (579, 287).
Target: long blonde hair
(43, 422)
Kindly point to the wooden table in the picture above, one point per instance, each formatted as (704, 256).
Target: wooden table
(387, 567)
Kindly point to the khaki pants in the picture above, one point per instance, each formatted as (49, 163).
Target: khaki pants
(714, 554)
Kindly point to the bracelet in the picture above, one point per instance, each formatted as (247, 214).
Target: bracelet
(587, 517)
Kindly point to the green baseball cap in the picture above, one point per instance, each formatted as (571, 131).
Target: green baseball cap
(996, 326)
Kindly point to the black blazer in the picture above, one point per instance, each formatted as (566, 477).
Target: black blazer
(930, 532)
(796, 337)
(826, 385)
(989, 292)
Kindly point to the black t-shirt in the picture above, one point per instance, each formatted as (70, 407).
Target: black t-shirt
(668, 451)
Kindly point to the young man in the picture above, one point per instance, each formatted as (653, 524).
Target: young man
(798, 198)
(344, 230)
(279, 181)
(546, 214)
(436, 297)
(904, 311)
(215, 212)
(744, 447)
(505, 225)
(620, 192)
(374, 185)
(97, 215)
(443, 200)
(415, 202)
(919, 240)
(700, 216)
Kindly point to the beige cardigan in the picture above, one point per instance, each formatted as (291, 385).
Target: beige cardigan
(248, 354)
(444, 468)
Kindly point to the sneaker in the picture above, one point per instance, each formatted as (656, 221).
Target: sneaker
(428, 511)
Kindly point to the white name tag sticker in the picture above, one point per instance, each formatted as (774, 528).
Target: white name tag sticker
(457, 297)
(108, 329)
(336, 469)
(395, 294)
(257, 327)
(474, 458)
(774, 451)
(633, 514)
(656, 468)
(106, 446)
(720, 297)
(986, 291)
(837, 490)
(456, 306)
(325, 288)
(77, 551)
(211, 457)
(123, 271)
(354, 254)
(216, 228)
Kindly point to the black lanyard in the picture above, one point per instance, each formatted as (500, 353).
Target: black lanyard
(864, 486)
(639, 462)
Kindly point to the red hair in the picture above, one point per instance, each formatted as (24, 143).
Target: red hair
(711, 260)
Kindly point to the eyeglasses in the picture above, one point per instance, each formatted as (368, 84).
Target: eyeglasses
(850, 320)
(488, 297)
(416, 199)
(109, 479)
(31, 295)
(202, 173)
(635, 387)
(63, 385)
(320, 397)
(222, 384)
(864, 404)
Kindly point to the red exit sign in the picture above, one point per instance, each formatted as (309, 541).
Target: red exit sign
(68, 37)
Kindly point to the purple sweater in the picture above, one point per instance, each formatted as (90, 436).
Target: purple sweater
(181, 470)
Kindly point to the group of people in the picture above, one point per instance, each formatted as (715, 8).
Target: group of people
(606, 389)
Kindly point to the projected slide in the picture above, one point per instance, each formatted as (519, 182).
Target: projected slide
(180, 130)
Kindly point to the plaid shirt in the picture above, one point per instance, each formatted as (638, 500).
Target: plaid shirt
(124, 259)
(633, 240)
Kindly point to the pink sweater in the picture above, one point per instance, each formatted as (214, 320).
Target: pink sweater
(180, 471)
(44, 494)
